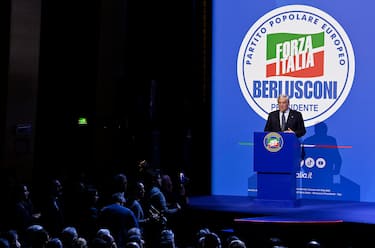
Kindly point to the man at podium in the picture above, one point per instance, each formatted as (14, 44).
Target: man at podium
(285, 119)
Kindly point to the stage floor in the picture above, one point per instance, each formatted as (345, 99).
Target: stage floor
(334, 223)
(356, 212)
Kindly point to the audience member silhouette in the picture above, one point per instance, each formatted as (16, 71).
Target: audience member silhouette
(52, 212)
(167, 239)
(135, 236)
(120, 183)
(88, 219)
(4, 243)
(24, 214)
(136, 194)
(54, 243)
(176, 198)
(13, 239)
(275, 242)
(106, 235)
(155, 206)
(69, 235)
(36, 236)
(74, 189)
(171, 196)
(80, 242)
(131, 244)
(142, 167)
(313, 244)
(154, 197)
(235, 242)
(118, 219)
(117, 184)
(200, 236)
(99, 243)
(211, 240)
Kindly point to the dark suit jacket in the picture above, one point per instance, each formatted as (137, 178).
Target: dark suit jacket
(294, 122)
(118, 219)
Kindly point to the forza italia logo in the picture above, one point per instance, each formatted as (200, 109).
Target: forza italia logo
(295, 55)
(300, 51)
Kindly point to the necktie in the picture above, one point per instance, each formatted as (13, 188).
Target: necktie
(283, 122)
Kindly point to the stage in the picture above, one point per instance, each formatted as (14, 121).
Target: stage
(333, 223)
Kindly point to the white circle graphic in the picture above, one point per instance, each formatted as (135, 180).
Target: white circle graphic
(320, 163)
(300, 51)
(309, 162)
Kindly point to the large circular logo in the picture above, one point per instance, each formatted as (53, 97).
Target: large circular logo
(300, 51)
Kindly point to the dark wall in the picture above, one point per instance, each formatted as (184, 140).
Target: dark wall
(4, 56)
(67, 79)
(139, 71)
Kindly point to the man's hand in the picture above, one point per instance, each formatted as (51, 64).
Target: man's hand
(289, 131)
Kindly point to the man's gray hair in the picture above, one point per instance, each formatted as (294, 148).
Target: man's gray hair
(283, 96)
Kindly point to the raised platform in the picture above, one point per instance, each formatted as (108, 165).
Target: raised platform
(333, 223)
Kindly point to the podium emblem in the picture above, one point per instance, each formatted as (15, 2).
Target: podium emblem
(273, 142)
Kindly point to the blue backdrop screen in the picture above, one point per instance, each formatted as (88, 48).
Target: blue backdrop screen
(320, 54)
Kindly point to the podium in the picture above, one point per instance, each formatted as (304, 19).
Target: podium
(277, 158)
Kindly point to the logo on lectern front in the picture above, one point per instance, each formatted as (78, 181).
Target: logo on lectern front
(273, 142)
